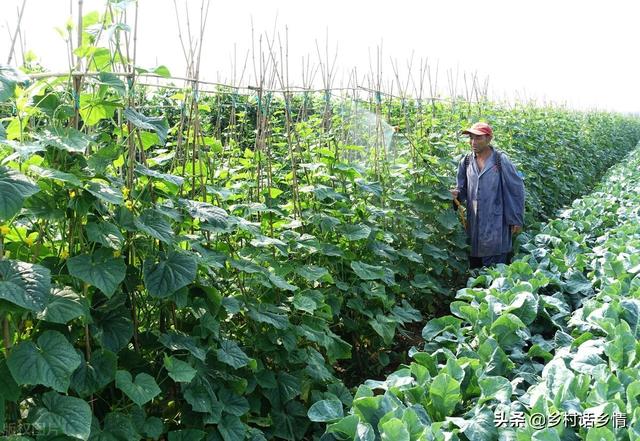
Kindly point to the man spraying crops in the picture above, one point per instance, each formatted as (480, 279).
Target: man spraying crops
(494, 194)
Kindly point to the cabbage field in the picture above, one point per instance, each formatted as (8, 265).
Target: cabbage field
(241, 264)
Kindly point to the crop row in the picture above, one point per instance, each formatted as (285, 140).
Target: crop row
(543, 349)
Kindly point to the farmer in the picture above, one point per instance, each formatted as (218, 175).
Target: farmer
(494, 194)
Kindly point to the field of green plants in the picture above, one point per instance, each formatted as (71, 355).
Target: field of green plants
(232, 265)
(543, 349)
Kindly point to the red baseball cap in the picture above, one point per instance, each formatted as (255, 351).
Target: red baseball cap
(479, 128)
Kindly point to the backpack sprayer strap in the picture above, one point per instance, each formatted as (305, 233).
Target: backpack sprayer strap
(467, 160)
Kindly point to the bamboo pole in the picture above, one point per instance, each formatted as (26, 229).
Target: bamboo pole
(16, 32)
(283, 76)
(77, 80)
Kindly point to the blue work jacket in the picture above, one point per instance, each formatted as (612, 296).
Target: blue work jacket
(494, 201)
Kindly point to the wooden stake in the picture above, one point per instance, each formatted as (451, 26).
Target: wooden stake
(16, 32)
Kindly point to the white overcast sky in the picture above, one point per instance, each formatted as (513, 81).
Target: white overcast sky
(580, 53)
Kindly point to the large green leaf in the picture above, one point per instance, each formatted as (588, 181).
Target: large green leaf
(233, 403)
(64, 305)
(631, 308)
(25, 284)
(211, 214)
(211, 258)
(140, 391)
(411, 255)
(370, 187)
(448, 219)
(423, 281)
(154, 123)
(600, 434)
(9, 78)
(317, 366)
(345, 428)
(24, 150)
(587, 358)
(312, 272)
(524, 306)
(413, 422)
(577, 282)
(155, 225)
(168, 275)
(435, 252)
(109, 79)
(495, 388)
(161, 70)
(200, 395)
(366, 271)
(63, 415)
(105, 192)
(105, 233)
(323, 192)
(270, 314)
(232, 429)
(326, 223)
(153, 428)
(57, 175)
(406, 313)
(117, 427)
(356, 232)
(231, 354)
(440, 325)
(445, 395)
(369, 409)
(50, 363)
(325, 411)
(177, 342)
(100, 269)
(113, 326)
(67, 139)
(247, 266)
(308, 301)
(289, 386)
(341, 392)
(482, 426)
(94, 108)
(93, 376)
(9, 389)
(622, 349)
(394, 430)
(290, 422)
(178, 370)
(384, 326)
(174, 180)
(265, 241)
(556, 375)
(505, 329)
(102, 159)
(281, 283)
(14, 189)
